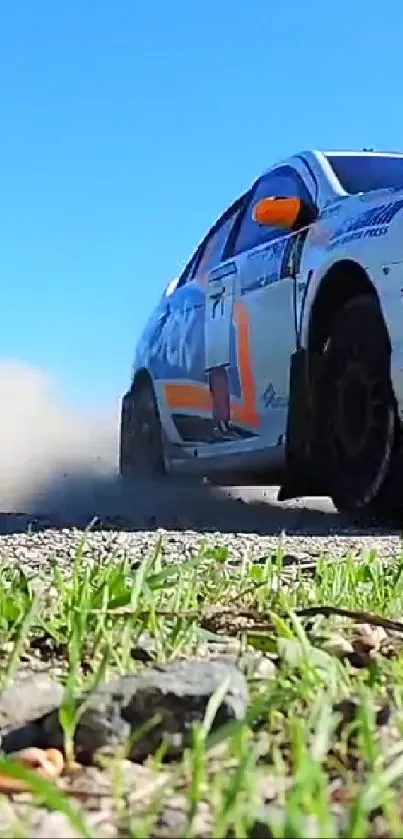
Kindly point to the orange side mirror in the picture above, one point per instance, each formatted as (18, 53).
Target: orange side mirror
(281, 212)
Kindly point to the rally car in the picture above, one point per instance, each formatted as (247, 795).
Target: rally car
(281, 342)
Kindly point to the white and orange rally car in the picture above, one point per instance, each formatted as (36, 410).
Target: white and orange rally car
(281, 342)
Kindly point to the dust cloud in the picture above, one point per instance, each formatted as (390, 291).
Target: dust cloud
(58, 468)
(53, 459)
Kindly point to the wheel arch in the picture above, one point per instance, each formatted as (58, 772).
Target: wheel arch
(332, 294)
(141, 377)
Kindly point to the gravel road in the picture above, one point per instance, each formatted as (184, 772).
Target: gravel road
(249, 520)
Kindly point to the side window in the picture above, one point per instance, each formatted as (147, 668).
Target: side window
(215, 243)
(188, 271)
(284, 182)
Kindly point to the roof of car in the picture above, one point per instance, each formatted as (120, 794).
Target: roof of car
(362, 153)
(317, 153)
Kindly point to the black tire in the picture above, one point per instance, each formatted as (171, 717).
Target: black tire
(141, 446)
(357, 429)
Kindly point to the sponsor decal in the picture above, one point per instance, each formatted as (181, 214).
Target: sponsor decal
(377, 194)
(319, 235)
(174, 346)
(263, 266)
(371, 224)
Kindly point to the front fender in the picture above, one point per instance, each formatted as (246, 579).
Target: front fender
(366, 230)
(390, 293)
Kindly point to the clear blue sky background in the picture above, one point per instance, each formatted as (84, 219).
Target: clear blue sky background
(126, 127)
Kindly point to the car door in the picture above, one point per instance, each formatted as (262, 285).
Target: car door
(266, 261)
(186, 386)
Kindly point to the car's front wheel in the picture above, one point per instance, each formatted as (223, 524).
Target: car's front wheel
(357, 426)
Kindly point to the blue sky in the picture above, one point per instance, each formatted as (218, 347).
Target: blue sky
(127, 127)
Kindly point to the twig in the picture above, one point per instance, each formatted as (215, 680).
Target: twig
(254, 615)
(361, 617)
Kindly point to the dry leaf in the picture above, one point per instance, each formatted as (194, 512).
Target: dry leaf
(47, 763)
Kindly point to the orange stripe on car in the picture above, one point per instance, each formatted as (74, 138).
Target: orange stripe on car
(188, 396)
(246, 411)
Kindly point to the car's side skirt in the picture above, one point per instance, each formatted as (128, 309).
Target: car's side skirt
(250, 456)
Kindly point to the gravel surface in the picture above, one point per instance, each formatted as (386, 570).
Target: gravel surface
(247, 520)
(33, 548)
(250, 524)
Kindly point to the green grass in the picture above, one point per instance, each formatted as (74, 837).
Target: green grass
(298, 762)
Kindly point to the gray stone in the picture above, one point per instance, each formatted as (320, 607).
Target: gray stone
(145, 648)
(251, 663)
(172, 820)
(101, 727)
(177, 692)
(17, 737)
(29, 697)
(45, 823)
(22, 702)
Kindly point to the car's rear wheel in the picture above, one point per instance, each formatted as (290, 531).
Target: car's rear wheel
(357, 426)
(141, 446)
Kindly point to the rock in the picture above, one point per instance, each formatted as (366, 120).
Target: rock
(145, 648)
(349, 710)
(27, 698)
(365, 644)
(262, 667)
(253, 664)
(101, 727)
(137, 782)
(15, 738)
(172, 820)
(338, 646)
(56, 824)
(22, 703)
(368, 638)
(178, 692)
